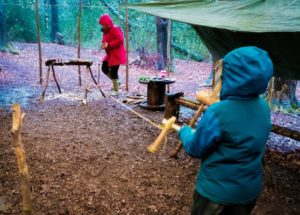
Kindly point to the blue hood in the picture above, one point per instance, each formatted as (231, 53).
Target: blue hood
(246, 73)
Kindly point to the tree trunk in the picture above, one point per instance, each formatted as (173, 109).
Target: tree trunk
(284, 94)
(162, 41)
(3, 28)
(54, 21)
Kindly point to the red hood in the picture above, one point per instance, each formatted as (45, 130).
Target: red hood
(105, 19)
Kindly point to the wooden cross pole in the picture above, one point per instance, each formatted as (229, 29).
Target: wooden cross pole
(18, 117)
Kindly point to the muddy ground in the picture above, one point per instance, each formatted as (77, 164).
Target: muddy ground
(93, 159)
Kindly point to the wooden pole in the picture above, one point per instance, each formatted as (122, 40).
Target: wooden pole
(271, 91)
(39, 39)
(286, 132)
(169, 52)
(214, 65)
(79, 38)
(18, 117)
(99, 72)
(127, 49)
(86, 87)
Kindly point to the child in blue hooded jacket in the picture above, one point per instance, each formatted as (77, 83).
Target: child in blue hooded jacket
(230, 138)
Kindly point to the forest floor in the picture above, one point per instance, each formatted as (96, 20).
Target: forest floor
(93, 159)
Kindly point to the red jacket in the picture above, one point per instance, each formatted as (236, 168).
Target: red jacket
(115, 52)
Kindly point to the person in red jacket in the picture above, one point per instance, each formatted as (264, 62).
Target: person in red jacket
(113, 44)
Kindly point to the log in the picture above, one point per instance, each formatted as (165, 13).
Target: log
(18, 117)
(188, 102)
(283, 131)
(72, 62)
(286, 132)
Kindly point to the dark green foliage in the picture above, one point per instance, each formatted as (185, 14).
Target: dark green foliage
(3, 28)
(5, 44)
(20, 20)
(60, 16)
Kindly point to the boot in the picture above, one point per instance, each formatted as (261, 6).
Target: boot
(115, 87)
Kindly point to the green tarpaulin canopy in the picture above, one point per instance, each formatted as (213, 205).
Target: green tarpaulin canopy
(224, 25)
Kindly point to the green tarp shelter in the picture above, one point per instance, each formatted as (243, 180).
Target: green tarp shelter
(223, 25)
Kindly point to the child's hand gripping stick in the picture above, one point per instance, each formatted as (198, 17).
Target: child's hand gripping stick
(167, 125)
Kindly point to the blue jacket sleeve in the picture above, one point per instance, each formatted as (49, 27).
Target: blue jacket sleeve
(201, 142)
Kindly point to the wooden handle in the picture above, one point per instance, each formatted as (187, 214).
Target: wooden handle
(174, 126)
(168, 126)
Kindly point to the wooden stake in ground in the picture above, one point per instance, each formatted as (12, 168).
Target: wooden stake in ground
(86, 87)
(99, 72)
(39, 39)
(79, 38)
(17, 117)
(127, 48)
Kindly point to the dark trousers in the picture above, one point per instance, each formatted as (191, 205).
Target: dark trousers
(203, 206)
(111, 72)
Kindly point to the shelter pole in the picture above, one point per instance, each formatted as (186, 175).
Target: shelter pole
(271, 91)
(127, 48)
(39, 39)
(169, 52)
(213, 81)
(79, 39)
